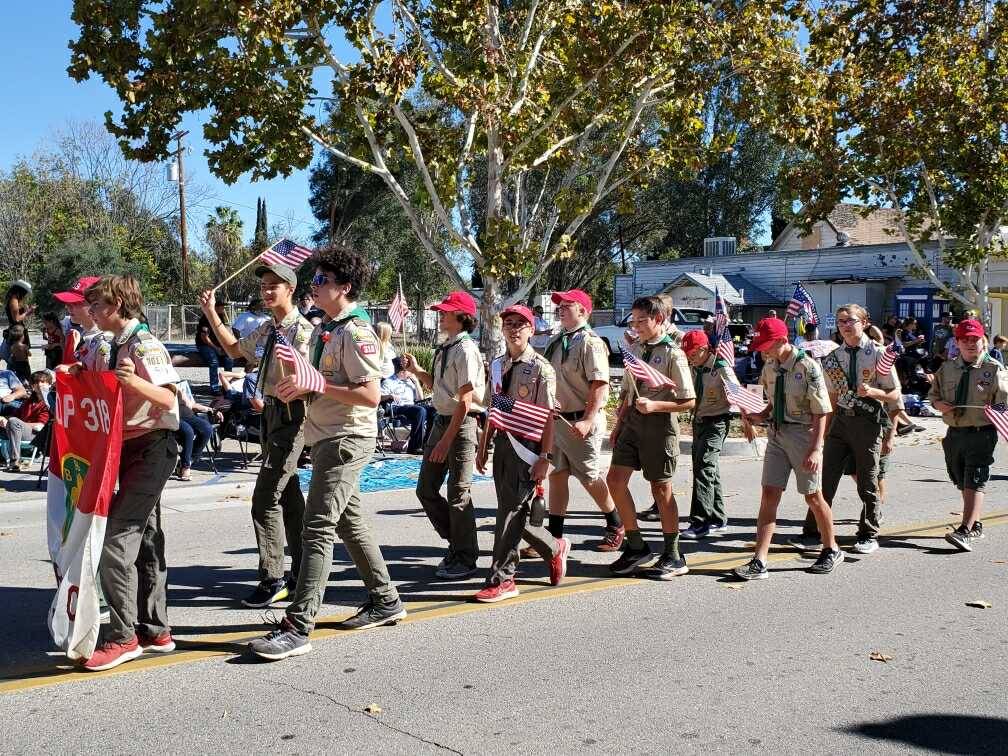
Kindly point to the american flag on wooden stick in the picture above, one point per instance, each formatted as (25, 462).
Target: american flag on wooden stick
(998, 415)
(743, 399)
(303, 370)
(398, 311)
(644, 372)
(515, 416)
(285, 252)
(888, 357)
(801, 305)
(722, 336)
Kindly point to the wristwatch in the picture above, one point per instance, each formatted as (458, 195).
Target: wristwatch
(548, 457)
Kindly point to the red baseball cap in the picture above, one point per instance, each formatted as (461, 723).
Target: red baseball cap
(969, 327)
(574, 295)
(76, 293)
(767, 332)
(457, 301)
(694, 340)
(517, 309)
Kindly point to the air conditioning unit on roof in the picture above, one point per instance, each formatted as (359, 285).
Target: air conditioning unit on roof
(719, 246)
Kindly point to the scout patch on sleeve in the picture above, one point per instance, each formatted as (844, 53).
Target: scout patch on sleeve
(365, 340)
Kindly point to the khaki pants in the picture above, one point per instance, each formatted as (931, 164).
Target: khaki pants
(334, 509)
(277, 502)
(132, 571)
(453, 518)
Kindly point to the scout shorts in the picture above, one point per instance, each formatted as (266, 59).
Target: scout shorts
(649, 443)
(785, 452)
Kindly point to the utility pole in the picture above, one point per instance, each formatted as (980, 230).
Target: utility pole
(182, 212)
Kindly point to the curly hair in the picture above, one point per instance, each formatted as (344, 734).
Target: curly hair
(346, 265)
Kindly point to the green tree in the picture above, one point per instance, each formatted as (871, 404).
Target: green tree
(912, 114)
(260, 239)
(224, 238)
(585, 99)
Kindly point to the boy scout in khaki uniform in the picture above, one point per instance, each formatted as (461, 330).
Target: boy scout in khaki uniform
(526, 376)
(646, 438)
(797, 409)
(341, 427)
(278, 504)
(859, 395)
(711, 421)
(581, 363)
(458, 382)
(963, 387)
(132, 571)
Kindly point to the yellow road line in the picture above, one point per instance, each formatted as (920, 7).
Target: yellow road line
(230, 644)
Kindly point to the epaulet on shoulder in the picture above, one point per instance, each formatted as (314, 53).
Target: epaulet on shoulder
(144, 335)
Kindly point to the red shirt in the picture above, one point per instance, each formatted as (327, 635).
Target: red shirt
(34, 412)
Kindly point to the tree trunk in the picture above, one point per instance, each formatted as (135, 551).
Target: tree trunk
(491, 335)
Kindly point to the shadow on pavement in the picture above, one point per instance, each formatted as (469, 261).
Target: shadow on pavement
(944, 733)
(25, 640)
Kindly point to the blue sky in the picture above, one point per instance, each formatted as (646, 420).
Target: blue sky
(40, 97)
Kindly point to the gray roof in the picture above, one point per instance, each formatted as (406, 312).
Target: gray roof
(753, 295)
(710, 283)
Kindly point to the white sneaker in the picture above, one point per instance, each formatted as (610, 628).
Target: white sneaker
(865, 546)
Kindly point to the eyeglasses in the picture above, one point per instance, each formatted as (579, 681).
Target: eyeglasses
(320, 279)
(847, 321)
(515, 325)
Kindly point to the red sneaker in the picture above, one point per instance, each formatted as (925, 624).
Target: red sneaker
(613, 539)
(109, 655)
(494, 593)
(161, 644)
(558, 564)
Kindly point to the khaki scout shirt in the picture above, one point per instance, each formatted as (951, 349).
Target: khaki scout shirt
(154, 365)
(586, 360)
(988, 384)
(804, 388)
(295, 328)
(532, 379)
(866, 360)
(456, 363)
(94, 349)
(713, 401)
(667, 359)
(349, 357)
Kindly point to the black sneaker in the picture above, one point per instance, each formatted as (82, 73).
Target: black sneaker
(963, 539)
(651, 515)
(827, 561)
(630, 560)
(754, 569)
(267, 593)
(281, 642)
(977, 532)
(373, 615)
(666, 568)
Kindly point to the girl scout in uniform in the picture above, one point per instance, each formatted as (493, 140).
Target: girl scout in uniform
(961, 390)
(132, 571)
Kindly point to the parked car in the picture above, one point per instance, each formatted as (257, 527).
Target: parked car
(684, 318)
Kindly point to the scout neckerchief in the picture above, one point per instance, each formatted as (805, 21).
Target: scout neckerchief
(852, 373)
(328, 328)
(442, 350)
(780, 399)
(648, 348)
(566, 341)
(962, 388)
(116, 343)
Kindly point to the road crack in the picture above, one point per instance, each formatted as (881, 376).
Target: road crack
(375, 719)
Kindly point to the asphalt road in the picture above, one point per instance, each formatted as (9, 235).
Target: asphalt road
(700, 664)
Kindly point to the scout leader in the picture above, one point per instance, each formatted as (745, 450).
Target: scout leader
(520, 464)
(581, 363)
(859, 394)
(277, 502)
(646, 438)
(341, 428)
(711, 420)
(797, 409)
(132, 571)
(961, 390)
(458, 382)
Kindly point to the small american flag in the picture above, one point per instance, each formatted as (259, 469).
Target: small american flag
(801, 304)
(515, 416)
(725, 344)
(285, 252)
(888, 357)
(998, 415)
(398, 311)
(743, 399)
(644, 372)
(303, 370)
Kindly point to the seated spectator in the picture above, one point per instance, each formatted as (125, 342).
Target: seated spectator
(386, 352)
(30, 419)
(240, 390)
(253, 317)
(211, 351)
(998, 350)
(52, 330)
(18, 352)
(405, 393)
(12, 393)
(194, 431)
